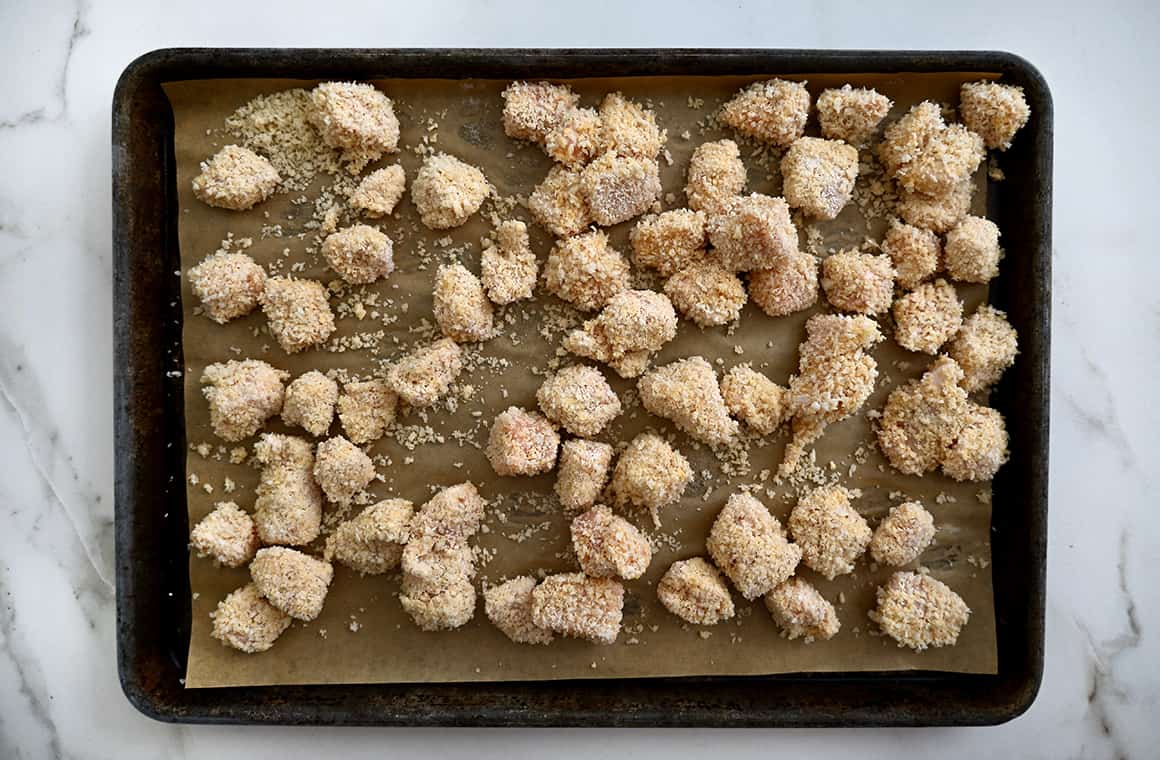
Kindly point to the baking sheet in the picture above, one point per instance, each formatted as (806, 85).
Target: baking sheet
(363, 636)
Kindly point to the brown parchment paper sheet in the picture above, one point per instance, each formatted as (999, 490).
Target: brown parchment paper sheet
(363, 636)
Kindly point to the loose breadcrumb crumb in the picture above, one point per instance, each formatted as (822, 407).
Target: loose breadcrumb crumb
(357, 119)
(993, 111)
(629, 129)
(342, 469)
(309, 403)
(750, 547)
(830, 532)
(984, 347)
(582, 473)
(242, 395)
(971, 252)
(288, 509)
(247, 622)
(670, 241)
(686, 392)
(818, 175)
(754, 399)
(918, 611)
(380, 191)
(858, 282)
(707, 293)
(790, 284)
(694, 590)
(447, 191)
(903, 535)
(927, 317)
(227, 534)
(532, 110)
(579, 399)
(298, 313)
(229, 285)
(425, 375)
(774, 111)
(573, 604)
(608, 546)
(616, 188)
(634, 325)
(236, 178)
(461, 308)
(650, 474)
(558, 203)
(522, 443)
(801, 611)
(752, 232)
(372, 543)
(360, 254)
(915, 253)
(508, 269)
(294, 582)
(852, 114)
(715, 175)
(509, 608)
(586, 271)
(367, 409)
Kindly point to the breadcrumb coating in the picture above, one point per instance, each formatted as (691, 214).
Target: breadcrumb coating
(628, 128)
(425, 375)
(754, 399)
(298, 313)
(508, 269)
(971, 252)
(235, 178)
(686, 392)
(447, 191)
(579, 399)
(558, 205)
(914, 251)
(918, 611)
(342, 469)
(372, 543)
(830, 532)
(695, 591)
(715, 175)
(789, 284)
(707, 293)
(774, 111)
(509, 608)
(752, 232)
(921, 419)
(617, 188)
(522, 443)
(227, 534)
(818, 175)
(309, 403)
(357, 119)
(985, 346)
(461, 308)
(576, 138)
(925, 155)
(586, 271)
(750, 547)
(533, 109)
(247, 622)
(608, 546)
(229, 285)
(367, 409)
(294, 582)
(669, 242)
(242, 395)
(288, 508)
(582, 473)
(927, 317)
(993, 111)
(858, 282)
(634, 325)
(801, 611)
(442, 606)
(360, 254)
(937, 213)
(649, 474)
(903, 535)
(380, 191)
(980, 448)
(852, 114)
(572, 604)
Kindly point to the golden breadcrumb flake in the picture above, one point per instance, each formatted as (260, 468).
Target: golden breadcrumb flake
(247, 622)
(342, 469)
(309, 404)
(572, 604)
(937, 213)
(380, 191)
(971, 252)
(984, 347)
(993, 111)
(925, 155)
(360, 254)
(686, 392)
(586, 271)
(715, 175)
(229, 285)
(927, 317)
(425, 375)
(801, 611)
(461, 308)
(509, 608)
(634, 325)
(242, 395)
(903, 535)
(695, 591)
(858, 282)
(617, 188)
(750, 547)
(438, 606)
(298, 313)
(227, 534)
(372, 543)
(670, 241)
(921, 419)
(608, 546)
(522, 443)
(357, 119)
(366, 409)
(650, 474)
(447, 191)
(852, 114)
(288, 509)
(774, 111)
(582, 473)
(829, 531)
(752, 232)
(918, 611)
(294, 582)
(533, 109)
(576, 138)
(628, 128)
(980, 448)
(707, 293)
(579, 399)
(789, 284)
(236, 178)
(818, 175)
(754, 399)
(508, 269)
(558, 205)
(914, 251)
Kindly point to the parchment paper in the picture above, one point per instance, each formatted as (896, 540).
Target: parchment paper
(363, 636)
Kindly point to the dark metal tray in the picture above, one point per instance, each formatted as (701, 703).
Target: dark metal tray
(151, 531)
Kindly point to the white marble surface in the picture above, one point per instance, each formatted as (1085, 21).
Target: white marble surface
(58, 690)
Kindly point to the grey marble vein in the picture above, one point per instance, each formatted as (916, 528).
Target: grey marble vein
(60, 89)
(30, 683)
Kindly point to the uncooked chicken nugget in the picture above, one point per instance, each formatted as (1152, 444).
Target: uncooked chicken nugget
(628, 128)
(582, 473)
(572, 604)
(927, 317)
(914, 251)
(441, 606)
(508, 268)
(715, 175)
(993, 111)
(288, 509)
(634, 325)
(686, 392)
(357, 119)
(902, 535)
(752, 232)
(247, 622)
(235, 178)
(925, 155)
(298, 312)
(774, 111)
(576, 138)
(342, 469)
(695, 591)
(789, 284)
(650, 474)
(937, 213)
(918, 611)
(558, 203)
(971, 252)
(608, 546)
(360, 254)
(455, 511)
(372, 543)
(980, 446)
(984, 347)
(461, 308)
(229, 285)
(380, 191)
(227, 534)
(921, 419)
(447, 191)
(754, 399)
(522, 443)
(852, 114)
(707, 293)
(858, 282)
(366, 409)
(532, 109)
(425, 375)
(294, 582)
(309, 403)
(750, 547)
(509, 608)
(586, 271)
(800, 610)
(670, 241)
(905, 138)
(242, 395)
(829, 531)
(818, 176)
(579, 399)
(617, 188)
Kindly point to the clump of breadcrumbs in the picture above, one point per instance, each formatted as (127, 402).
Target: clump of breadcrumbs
(774, 111)
(818, 175)
(715, 175)
(366, 409)
(984, 347)
(309, 403)
(572, 604)
(576, 138)
(558, 203)
(608, 546)
(670, 241)
(294, 582)
(229, 285)
(582, 473)
(522, 443)
(649, 474)
(902, 535)
(752, 232)
(533, 109)
(360, 254)
(789, 284)
(686, 392)
(298, 312)
(858, 282)
(634, 325)
(801, 611)
(235, 178)
(247, 622)
(461, 308)
(925, 155)
(750, 547)
(707, 293)
(971, 252)
(829, 531)
(380, 191)
(357, 119)
(288, 508)
(754, 399)
(852, 114)
(629, 129)
(508, 268)
(227, 534)
(342, 469)
(447, 191)
(579, 399)
(586, 271)
(993, 111)
(694, 590)
(509, 608)
(372, 543)
(915, 253)
(242, 395)
(918, 611)
(425, 375)
(927, 317)
(937, 213)
(616, 188)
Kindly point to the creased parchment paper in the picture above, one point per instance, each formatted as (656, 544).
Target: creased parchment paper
(363, 636)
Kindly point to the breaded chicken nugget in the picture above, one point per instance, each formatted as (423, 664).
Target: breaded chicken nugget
(628, 128)
(294, 582)
(984, 347)
(993, 111)
(608, 546)
(360, 254)
(342, 469)
(425, 375)
(918, 611)
(227, 534)
(309, 402)
(750, 547)
(508, 268)
(509, 608)
(695, 591)
(357, 119)
(582, 473)
(586, 271)
(715, 175)
(650, 474)
(914, 251)
(634, 325)
(380, 191)
(235, 178)
(858, 282)
(927, 317)
(558, 204)
(707, 294)
(790, 284)
(752, 232)
(829, 531)
(573, 604)
(617, 188)
(532, 109)
(852, 114)
(902, 535)
(447, 191)
(754, 399)
(579, 399)
(774, 111)
(242, 395)
(372, 543)
(800, 611)
(686, 392)
(972, 250)
(461, 308)
(366, 409)
(298, 313)
(818, 175)
(288, 509)
(229, 285)
(670, 241)
(245, 621)
(522, 443)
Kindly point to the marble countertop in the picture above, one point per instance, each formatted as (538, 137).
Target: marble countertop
(58, 688)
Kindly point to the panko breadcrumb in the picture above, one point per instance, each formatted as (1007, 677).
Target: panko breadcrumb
(984, 347)
(558, 203)
(918, 611)
(288, 509)
(774, 111)
(858, 282)
(509, 608)
(236, 178)
(229, 285)
(447, 191)
(372, 543)
(915, 252)
(227, 534)
(616, 188)
(754, 399)
(309, 403)
(586, 271)
(357, 119)
(801, 611)
(294, 582)
(852, 114)
(380, 191)
(971, 252)
(360, 254)
(634, 325)
(629, 129)
(789, 284)
(342, 469)
(707, 293)
(902, 535)
(608, 546)
(750, 547)
(533, 109)
(242, 395)
(522, 443)
(425, 375)
(937, 213)
(829, 531)
(508, 268)
(576, 138)
(980, 447)
(650, 474)
(298, 313)
(366, 409)
(752, 232)
(715, 175)
(247, 622)
(818, 176)
(582, 473)
(993, 111)
(461, 308)
(572, 604)
(579, 399)
(925, 155)
(686, 392)
(927, 317)
(694, 590)
(670, 241)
